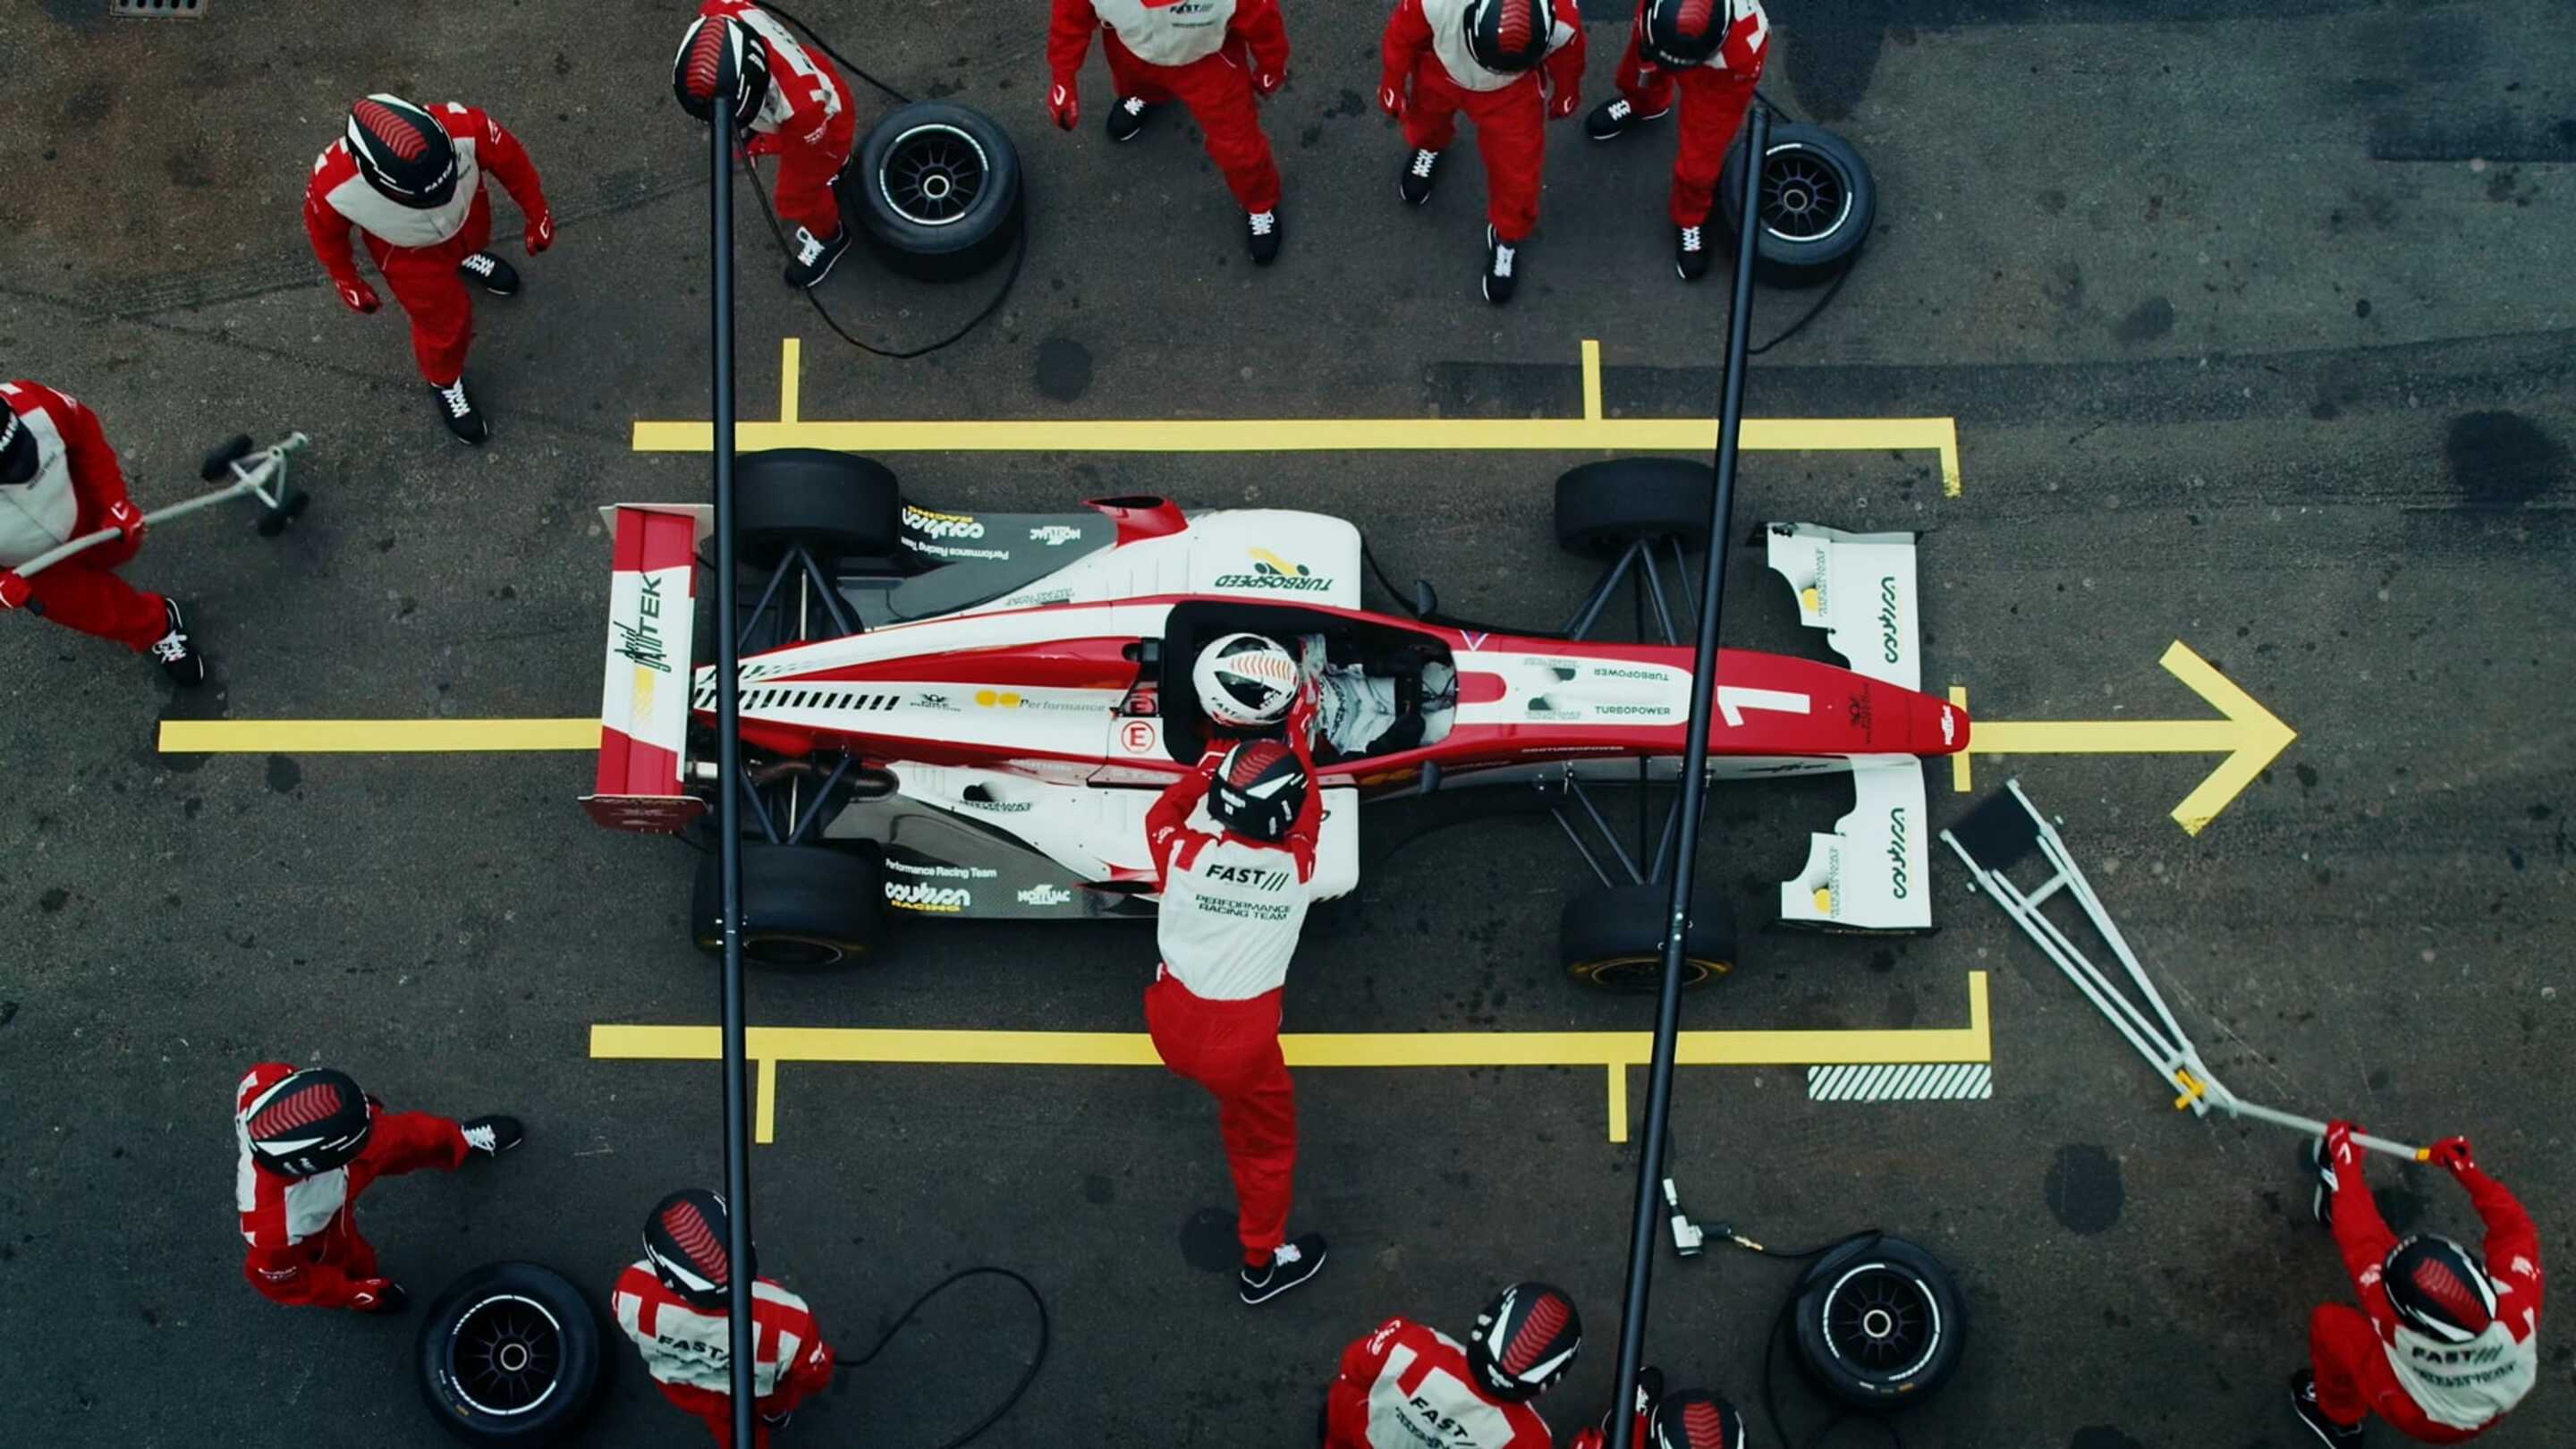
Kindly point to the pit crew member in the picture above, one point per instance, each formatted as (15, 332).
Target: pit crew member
(2444, 1342)
(59, 480)
(675, 1303)
(310, 1143)
(795, 107)
(410, 179)
(1712, 51)
(1213, 56)
(1406, 1384)
(1235, 879)
(1483, 57)
(1245, 683)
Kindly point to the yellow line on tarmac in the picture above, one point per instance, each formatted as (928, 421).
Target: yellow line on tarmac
(373, 736)
(1614, 1050)
(1591, 381)
(791, 372)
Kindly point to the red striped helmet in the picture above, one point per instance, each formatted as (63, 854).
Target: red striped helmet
(719, 56)
(1697, 1419)
(308, 1122)
(1679, 34)
(402, 151)
(1509, 35)
(1524, 1341)
(2439, 1288)
(686, 1240)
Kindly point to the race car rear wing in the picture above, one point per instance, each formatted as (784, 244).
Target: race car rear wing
(644, 694)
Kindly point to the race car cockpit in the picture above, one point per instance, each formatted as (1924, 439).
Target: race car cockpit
(1396, 671)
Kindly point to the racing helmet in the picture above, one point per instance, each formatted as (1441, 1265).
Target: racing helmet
(1524, 1341)
(17, 448)
(2439, 1288)
(1258, 790)
(1508, 36)
(1697, 1419)
(1245, 681)
(1680, 34)
(719, 56)
(402, 151)
(685, 1241)
(307, 1123)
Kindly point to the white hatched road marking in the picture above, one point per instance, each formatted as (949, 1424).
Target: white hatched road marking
(1912, 1082)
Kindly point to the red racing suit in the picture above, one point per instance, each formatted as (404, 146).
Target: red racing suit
(1227, 926)
(689, 1351)
(1714, 94)
(418, 250)
(1426, 44)
(303, 1231)
(1406, 1386)
(77, 481)
(2368, 1362)
(1210, 55)
(806, 121)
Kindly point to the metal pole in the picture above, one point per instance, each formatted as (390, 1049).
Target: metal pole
(1694, 786)
(737, 1096)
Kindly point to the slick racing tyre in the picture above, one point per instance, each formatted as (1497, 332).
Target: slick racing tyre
(803, 906)
(1601, 508)
(838, 505)
(1877, 1323)
(510, 1354)
(1818, 204)
(1612, 938)
(936, 189)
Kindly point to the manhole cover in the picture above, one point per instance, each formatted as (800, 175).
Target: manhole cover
(158, 9)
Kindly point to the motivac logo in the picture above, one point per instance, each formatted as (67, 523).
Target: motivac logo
(941, 525)
(1045, 895)
(1887, 635)
(1054, 535)
(913, 897)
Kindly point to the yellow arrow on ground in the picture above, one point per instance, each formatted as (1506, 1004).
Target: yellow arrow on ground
(2249, 735)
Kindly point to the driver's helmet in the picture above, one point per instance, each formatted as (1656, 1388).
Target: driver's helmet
(1245, 681)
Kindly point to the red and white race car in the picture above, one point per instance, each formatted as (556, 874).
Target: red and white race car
(967, 714)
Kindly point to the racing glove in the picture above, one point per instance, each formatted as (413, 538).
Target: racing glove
(541, 232)
(380, 1295)
(1268, 84)
(127, 520)
(1390, 96)
(2341, 1150)
(360, 297)
(14, 590)
(1563, 103)
(2452, 1155)
(1064, 104)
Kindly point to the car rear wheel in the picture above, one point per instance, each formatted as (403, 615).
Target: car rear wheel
(1603, 507)
(838, 505)
(803, 906)
(510, 1354)
(1612, 938)
(1878, 1324)
(1818, 204)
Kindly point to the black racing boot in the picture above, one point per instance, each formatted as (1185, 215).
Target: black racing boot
(1291, 1263)
(1261, 236)
(456, 409)
(1615, 118)
(2303, 1401)
(1414, 182)
(490, 273)
(815, 258)
(492, 1135)
(1127, 118)
(1502, 260)
(176, 653)
(1690, 252)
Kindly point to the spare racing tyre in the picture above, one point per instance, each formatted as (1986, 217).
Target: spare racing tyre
(510, 1354)
(838, 505)
(936, 188)
(1612, 937)
(1877, 1323)
(1818, 204)
(803, 906)
(1601, 508)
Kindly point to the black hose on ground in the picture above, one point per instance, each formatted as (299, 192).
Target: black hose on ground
(1036, 1359)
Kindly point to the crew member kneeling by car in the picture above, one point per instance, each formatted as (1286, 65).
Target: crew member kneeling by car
(1235, 891)
(675, 1304)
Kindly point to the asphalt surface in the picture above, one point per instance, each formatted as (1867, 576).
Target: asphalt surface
(2254, 321)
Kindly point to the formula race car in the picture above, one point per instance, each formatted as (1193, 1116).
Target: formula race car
(967, 714)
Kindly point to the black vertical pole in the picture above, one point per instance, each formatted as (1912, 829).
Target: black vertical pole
(737, 1096)
(1668, 1003)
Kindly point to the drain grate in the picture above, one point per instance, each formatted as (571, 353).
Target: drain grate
(158, 9)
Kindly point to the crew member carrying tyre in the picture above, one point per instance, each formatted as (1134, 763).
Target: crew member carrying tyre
(676, 1304)
(1235, 882)
(59, 480)
(310, 1143)
(795, 107)
(1213, 56)
(2445, 1340)
(1483, 57)
(411, 181)
(1407, 1384)
(1712, 51)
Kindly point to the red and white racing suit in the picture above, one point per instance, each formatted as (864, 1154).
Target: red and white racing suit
(806, 121)
(689, 1351)
(1426, 43)
(1227, 927)
(303, 1231)
(77, 481)
(418, 250)
(1714, 94)
(2367, 1362)
(1206, 54)
(1406, 1386)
